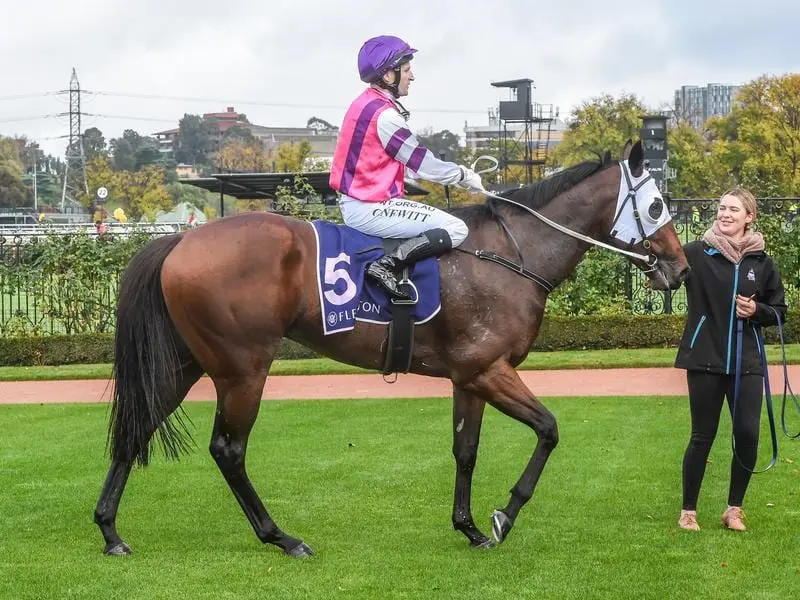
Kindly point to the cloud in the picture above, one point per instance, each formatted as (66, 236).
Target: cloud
(282, 62)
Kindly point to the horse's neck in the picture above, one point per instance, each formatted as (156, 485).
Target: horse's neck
(553, 254)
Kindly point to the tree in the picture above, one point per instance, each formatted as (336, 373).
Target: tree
(698, 173)
(123, 155)
(133, 151)
(237, 133)
(147, 153)
(759, 141)
(290, 156)
(440, 142)
(600, 124)
(94, 144)
(28, 153)
(99, 173)
(13, 191)
(243, 157)
(139, 193)
(143, 193)
(194, 140)
(320, 125)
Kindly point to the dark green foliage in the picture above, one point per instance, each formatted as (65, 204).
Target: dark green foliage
(557, 333)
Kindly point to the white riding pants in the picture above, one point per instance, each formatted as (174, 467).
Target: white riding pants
(400, 218)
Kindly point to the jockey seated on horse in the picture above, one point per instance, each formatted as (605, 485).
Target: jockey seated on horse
(374, 148)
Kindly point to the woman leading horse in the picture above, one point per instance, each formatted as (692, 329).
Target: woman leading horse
(219, 299)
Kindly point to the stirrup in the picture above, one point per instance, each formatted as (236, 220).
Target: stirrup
(386, 280)
(404, 285)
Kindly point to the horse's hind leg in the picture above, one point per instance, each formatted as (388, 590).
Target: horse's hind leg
(503, 389)
(105, 513)
(238, 401)
(467, 418)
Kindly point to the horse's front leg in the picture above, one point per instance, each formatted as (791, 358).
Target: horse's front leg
(501, 386)
(467, 417)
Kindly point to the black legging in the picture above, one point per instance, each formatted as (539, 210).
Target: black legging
(706, 394)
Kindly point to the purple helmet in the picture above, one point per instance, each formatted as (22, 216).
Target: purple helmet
(381, 54)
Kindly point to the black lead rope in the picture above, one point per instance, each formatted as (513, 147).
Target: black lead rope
(737, 381)
(786, 386)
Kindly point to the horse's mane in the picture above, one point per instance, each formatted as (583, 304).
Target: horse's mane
(537, 195)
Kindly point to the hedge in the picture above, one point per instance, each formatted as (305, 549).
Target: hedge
(556, 333)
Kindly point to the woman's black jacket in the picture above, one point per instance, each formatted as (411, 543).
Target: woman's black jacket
(709, 337)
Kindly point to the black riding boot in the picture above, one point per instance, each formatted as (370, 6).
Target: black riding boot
(431, 243)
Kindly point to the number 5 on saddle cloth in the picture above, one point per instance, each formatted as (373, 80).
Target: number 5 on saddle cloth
(347, 296)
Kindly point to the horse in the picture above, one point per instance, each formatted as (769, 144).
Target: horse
(219, 299)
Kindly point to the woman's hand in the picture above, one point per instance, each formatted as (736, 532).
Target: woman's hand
(745, 306)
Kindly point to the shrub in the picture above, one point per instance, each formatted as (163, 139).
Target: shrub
(557, 333)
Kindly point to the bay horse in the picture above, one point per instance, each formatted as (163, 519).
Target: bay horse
(220, 298)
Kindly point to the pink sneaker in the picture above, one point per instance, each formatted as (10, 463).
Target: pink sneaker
(688, 520)
(733, 518)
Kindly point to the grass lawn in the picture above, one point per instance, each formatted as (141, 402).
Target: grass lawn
(368, 485)
(571, 359)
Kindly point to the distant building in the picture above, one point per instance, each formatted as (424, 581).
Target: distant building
(167, 140)
(186, 171)
(697, 104)
(322, 141)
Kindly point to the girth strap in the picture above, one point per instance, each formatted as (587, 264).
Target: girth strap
(400, 337)
(518, 269)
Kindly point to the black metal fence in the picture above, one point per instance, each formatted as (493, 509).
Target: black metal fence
(67, 283)
(778, 220)
(61, 284)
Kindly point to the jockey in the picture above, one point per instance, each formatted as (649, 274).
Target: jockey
(374, 148)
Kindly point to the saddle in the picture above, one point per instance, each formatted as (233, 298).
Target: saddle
(347, 296)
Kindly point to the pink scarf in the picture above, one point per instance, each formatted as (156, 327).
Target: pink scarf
(732, 249)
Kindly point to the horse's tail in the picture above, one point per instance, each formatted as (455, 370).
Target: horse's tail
(146, 361)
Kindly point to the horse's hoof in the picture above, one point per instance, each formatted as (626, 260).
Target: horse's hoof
(117, 549)
(300, 551)
(485, 544)
(501, 525)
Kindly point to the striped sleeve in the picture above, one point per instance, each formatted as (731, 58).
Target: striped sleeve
(402, 145)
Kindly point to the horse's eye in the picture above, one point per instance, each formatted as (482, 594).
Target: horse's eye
(656, 208)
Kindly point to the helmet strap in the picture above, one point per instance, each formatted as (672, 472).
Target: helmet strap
(394, 86)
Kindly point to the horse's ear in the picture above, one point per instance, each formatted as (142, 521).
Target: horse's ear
(607, 157)
(636, 159)
(626, 149)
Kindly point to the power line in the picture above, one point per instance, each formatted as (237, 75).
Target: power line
(261, 103)
(30, 118)
(126, 117)
(38, 95)
(85, 114)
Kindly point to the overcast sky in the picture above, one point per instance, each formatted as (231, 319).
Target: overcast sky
(281, 62)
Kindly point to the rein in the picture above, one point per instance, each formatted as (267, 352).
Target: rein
(650, 260)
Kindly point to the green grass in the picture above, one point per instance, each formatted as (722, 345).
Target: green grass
(573, 359)
(368, 484)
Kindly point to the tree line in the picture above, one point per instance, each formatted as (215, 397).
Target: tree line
(756, 146)
(140, 176)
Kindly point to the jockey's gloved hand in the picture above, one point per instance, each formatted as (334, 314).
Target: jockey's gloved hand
(470, 181)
